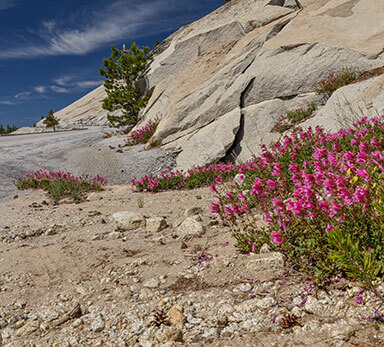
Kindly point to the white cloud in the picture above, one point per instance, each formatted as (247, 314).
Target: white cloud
(63, 85)
(64, 80)
(117, 21)
(88, 84)
(7, 102)
(40, 89)
(22, 95)
(6, 4)
(60, 90)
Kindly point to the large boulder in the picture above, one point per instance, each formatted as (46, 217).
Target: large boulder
(253, 72)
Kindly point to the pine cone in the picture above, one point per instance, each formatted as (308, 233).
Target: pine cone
(289, 321)
(160, 317)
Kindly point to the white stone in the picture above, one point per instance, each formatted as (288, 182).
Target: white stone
(190, 228)
(127, 220)
(266, 303)
(151, 283)
(97, 323)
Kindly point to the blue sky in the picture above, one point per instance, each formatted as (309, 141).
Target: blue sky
(50, 51)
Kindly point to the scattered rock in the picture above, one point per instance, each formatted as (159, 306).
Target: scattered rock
(190, 228)
(154, 225)
(192, 211)
(266, 266)
(28, 328)
(172, 334)
(176, 316)
(151, 283)
(265, 248)
(127, 220)
(97, 323)
(94, 197)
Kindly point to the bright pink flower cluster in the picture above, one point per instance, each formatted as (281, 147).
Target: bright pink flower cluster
(41, 178)
(196, 177)
(143, 134)
(312, 182)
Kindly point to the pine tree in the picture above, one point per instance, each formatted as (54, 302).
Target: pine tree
(51, 121)
(121, 71)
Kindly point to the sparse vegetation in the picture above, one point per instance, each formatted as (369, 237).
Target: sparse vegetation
(7, 129)
(300, 113)
(335, 81)
(294, 117)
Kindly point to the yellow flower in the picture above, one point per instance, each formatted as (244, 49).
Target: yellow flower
(354, 180)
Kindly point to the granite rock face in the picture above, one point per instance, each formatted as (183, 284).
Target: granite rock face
(267, 63)
(222, 82)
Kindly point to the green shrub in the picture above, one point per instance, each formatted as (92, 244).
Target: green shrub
(335, 81)
(300, 114)
(293, 117)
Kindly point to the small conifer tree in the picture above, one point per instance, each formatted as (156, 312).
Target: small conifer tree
(121, 71)
(51, 121)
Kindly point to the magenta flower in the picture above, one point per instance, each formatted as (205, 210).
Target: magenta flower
(276, 237)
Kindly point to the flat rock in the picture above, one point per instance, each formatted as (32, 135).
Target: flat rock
(152, 283)
(199, 149)
(350, 103)
(172, 334)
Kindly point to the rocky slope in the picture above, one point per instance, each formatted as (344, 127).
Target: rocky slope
(222, 82)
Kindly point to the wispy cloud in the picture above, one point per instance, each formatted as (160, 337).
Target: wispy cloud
(88, 84)
(40, 89)
(7, 102)
(60, 90)
(6, 4)
(65, 84)
(22, 95)
(118, 20)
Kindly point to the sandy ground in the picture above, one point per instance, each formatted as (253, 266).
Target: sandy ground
(54, 258)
